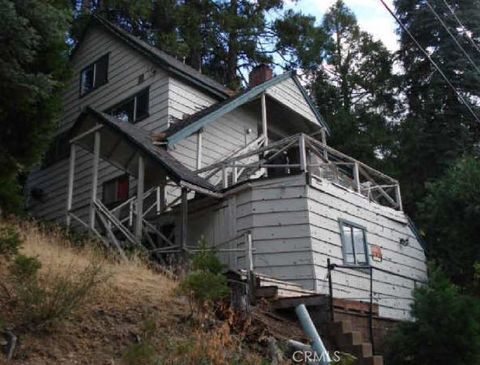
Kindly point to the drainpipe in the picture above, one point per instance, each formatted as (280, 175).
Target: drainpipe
(311, 331)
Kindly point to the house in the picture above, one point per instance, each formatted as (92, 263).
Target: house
(150, 151)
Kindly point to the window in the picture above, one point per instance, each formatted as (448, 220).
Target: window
(116, 190)
(94, 75)
(133, 109)
(58, 150)
(354, 244)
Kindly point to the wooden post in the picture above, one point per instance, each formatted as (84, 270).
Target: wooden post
(234, 175)
(356, 177)
(303, 153)
(140, 191)
(71, 177)
(264, 119)
(249, 266)
(163, 199)
(184, 227)
(96, 161)
(324, 142)
(398, 196)
(199, 149)
(224, 177)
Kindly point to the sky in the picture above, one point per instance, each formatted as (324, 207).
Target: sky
(371, 15)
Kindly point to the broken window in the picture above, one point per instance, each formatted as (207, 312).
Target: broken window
(133, 109)
(354, 244)
(94, 75)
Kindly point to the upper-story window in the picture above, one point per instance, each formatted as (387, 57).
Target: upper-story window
(94, 75)
(354, 244)
(116, 190)
(132, 109)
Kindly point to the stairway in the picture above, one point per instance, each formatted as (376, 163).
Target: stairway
(350, 341)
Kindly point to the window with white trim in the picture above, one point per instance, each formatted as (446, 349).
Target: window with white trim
(94, 75)
(133, 109)
(354, 244)
(116, 191)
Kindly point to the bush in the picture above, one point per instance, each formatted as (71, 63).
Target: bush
(446, 330)
(142, 353)
(10, 241)
(43, 301)
(205, 283)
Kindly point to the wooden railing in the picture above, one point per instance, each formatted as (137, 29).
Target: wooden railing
(302, 153)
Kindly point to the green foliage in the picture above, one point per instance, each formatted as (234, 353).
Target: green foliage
(32, 67)
(437, 128)
(205, 283)
(11, 198)
(355, 89)
(10, 241)
(445, 330)
(25, 268)
(142, 353)
(449, 216)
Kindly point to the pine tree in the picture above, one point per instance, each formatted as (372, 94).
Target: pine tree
(33, 65)
(438, 128)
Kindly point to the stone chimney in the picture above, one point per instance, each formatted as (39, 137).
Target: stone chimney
(259, 75)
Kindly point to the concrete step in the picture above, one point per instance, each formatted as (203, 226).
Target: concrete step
(372, 360)
(363, 350)
(349, 339)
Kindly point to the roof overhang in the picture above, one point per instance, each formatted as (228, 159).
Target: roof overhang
(122, 143)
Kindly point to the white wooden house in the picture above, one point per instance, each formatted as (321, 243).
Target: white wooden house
(150, 150)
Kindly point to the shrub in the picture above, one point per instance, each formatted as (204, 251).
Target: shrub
(445, 330)
(43, 301)
(205, 283)
(10, 241)
(142, 353)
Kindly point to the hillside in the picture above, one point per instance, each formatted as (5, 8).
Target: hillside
(127, 313)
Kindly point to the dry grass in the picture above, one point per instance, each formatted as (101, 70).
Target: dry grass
(111, 322)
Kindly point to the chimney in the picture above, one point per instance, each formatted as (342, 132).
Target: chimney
(259, 75)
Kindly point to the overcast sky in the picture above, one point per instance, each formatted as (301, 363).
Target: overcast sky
(371, 16)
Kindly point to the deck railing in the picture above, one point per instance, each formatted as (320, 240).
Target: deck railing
(302, 153)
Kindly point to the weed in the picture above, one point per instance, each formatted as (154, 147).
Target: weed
(10, 241)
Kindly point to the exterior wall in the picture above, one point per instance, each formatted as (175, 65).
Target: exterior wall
(295, 228)
(288, 93)
(125, 67)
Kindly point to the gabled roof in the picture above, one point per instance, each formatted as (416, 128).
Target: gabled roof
(141, 140)
(194, 122)
(162, 59)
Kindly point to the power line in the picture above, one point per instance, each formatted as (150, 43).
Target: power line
(462, 99)
(451, 35)
(462, 26)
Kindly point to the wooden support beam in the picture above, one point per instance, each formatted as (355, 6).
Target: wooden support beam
(398, 197)
(303, 152)
(324, 142)
(199, 148)
(96, 162)
(184, 228)
(140, 191)
(71, 178)
(356, 177)
(84, 134)
(264, 119)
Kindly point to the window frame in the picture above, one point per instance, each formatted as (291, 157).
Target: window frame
(94, 65)
(115, 180)
(342, 223)
(133, 97)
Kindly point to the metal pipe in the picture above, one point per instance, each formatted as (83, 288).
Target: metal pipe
(330, 290)
(311, 331)
(370, 316)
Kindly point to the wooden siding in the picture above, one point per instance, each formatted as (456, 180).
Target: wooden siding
(295, 229)
(288, 93)
(124, 69)
(384, 227)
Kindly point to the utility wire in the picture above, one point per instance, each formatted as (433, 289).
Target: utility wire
(462, 99)
(462, 26)
(452, 35)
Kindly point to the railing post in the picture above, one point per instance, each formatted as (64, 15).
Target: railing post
(96, 161)
(398, 196)
(140, 192)
(330, 290)
(71, 178)
(225, 176)
(264, 119)
(234, 175)
(356, 177)
(303, 153)
(324, 142)
(370, 317)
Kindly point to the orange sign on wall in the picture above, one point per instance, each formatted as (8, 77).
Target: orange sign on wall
(376, 253)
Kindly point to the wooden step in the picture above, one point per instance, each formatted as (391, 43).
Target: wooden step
(349, 339)
(361, 351)
(268, 292)
(340, 327)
